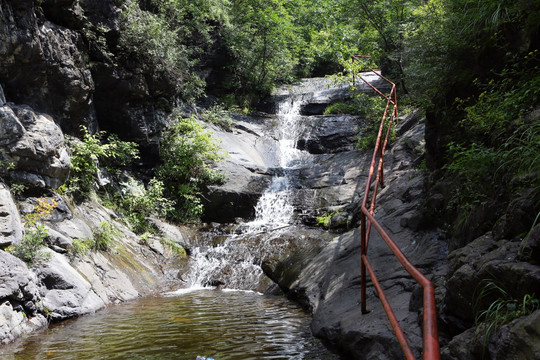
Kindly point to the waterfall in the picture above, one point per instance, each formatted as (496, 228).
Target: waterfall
(235, 263)
(275, 209)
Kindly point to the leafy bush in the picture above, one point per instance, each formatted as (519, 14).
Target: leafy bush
(79, 247)
(325, 219)
(505, 143)
(88, 154)
(186, 153)
(104, 234)
(30, 250)
(219, 115)
(152, 40)
(139, 202)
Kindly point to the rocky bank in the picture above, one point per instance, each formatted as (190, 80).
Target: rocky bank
(56, 75)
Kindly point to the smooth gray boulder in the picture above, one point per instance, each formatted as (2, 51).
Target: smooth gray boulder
(67, 292)
(247, 169)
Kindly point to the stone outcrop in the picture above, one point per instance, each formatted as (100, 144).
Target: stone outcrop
(10, 220)
(20, 309)
(328, 282)
(65, 285)
(34, 145)
(247, 168)
(43, 65)
(63, 58)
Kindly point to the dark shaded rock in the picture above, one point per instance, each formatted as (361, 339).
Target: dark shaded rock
(519, 215)
(485, 261)
(518, 340)
(530, 246)
(67, 13)
(313, 109)
(43, 66)
(328, 134)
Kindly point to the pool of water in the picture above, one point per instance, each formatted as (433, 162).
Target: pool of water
(220, 324)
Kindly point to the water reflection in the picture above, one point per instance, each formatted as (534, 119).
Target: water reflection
(218, 324)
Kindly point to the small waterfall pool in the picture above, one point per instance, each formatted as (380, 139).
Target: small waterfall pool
(206, 319)
(219, 324)
(235, 261)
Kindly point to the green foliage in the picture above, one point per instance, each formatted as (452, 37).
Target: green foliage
(187, 151)
(139, 202)
(150, 39)
(103, 236)
(219, 115)
(30, 250)
(6, 164)
(173, 246)
(502, 310)
(324, 220)
(79, 247)
(506, 142)
(88, 154)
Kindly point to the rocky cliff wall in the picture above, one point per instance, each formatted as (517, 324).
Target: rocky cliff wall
(62, 58)
(66, 284)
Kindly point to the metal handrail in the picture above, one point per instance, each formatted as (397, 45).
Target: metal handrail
(430, 338)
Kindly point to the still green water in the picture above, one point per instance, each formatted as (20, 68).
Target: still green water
(212, 323)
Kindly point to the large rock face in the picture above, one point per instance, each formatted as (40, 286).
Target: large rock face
(43, 65)
(62, 58)
(10, 220)
(328, 281)
(20, 307)
(66, 285)
(34, 143)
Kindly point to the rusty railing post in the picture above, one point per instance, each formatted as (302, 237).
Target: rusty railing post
(362, 265)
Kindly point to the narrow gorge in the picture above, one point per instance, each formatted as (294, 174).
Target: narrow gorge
(183, 179)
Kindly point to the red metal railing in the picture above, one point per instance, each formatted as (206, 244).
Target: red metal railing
(430, 336)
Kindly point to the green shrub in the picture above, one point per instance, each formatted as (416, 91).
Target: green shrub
(173, 246)
(186, 152)
(324, 220)
(219, 115)
(79, 247)
(30, 250)
(103, 236)
(157, 44)
(88, 154)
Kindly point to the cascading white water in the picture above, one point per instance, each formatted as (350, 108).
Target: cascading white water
(274, 208)
(235, 262)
